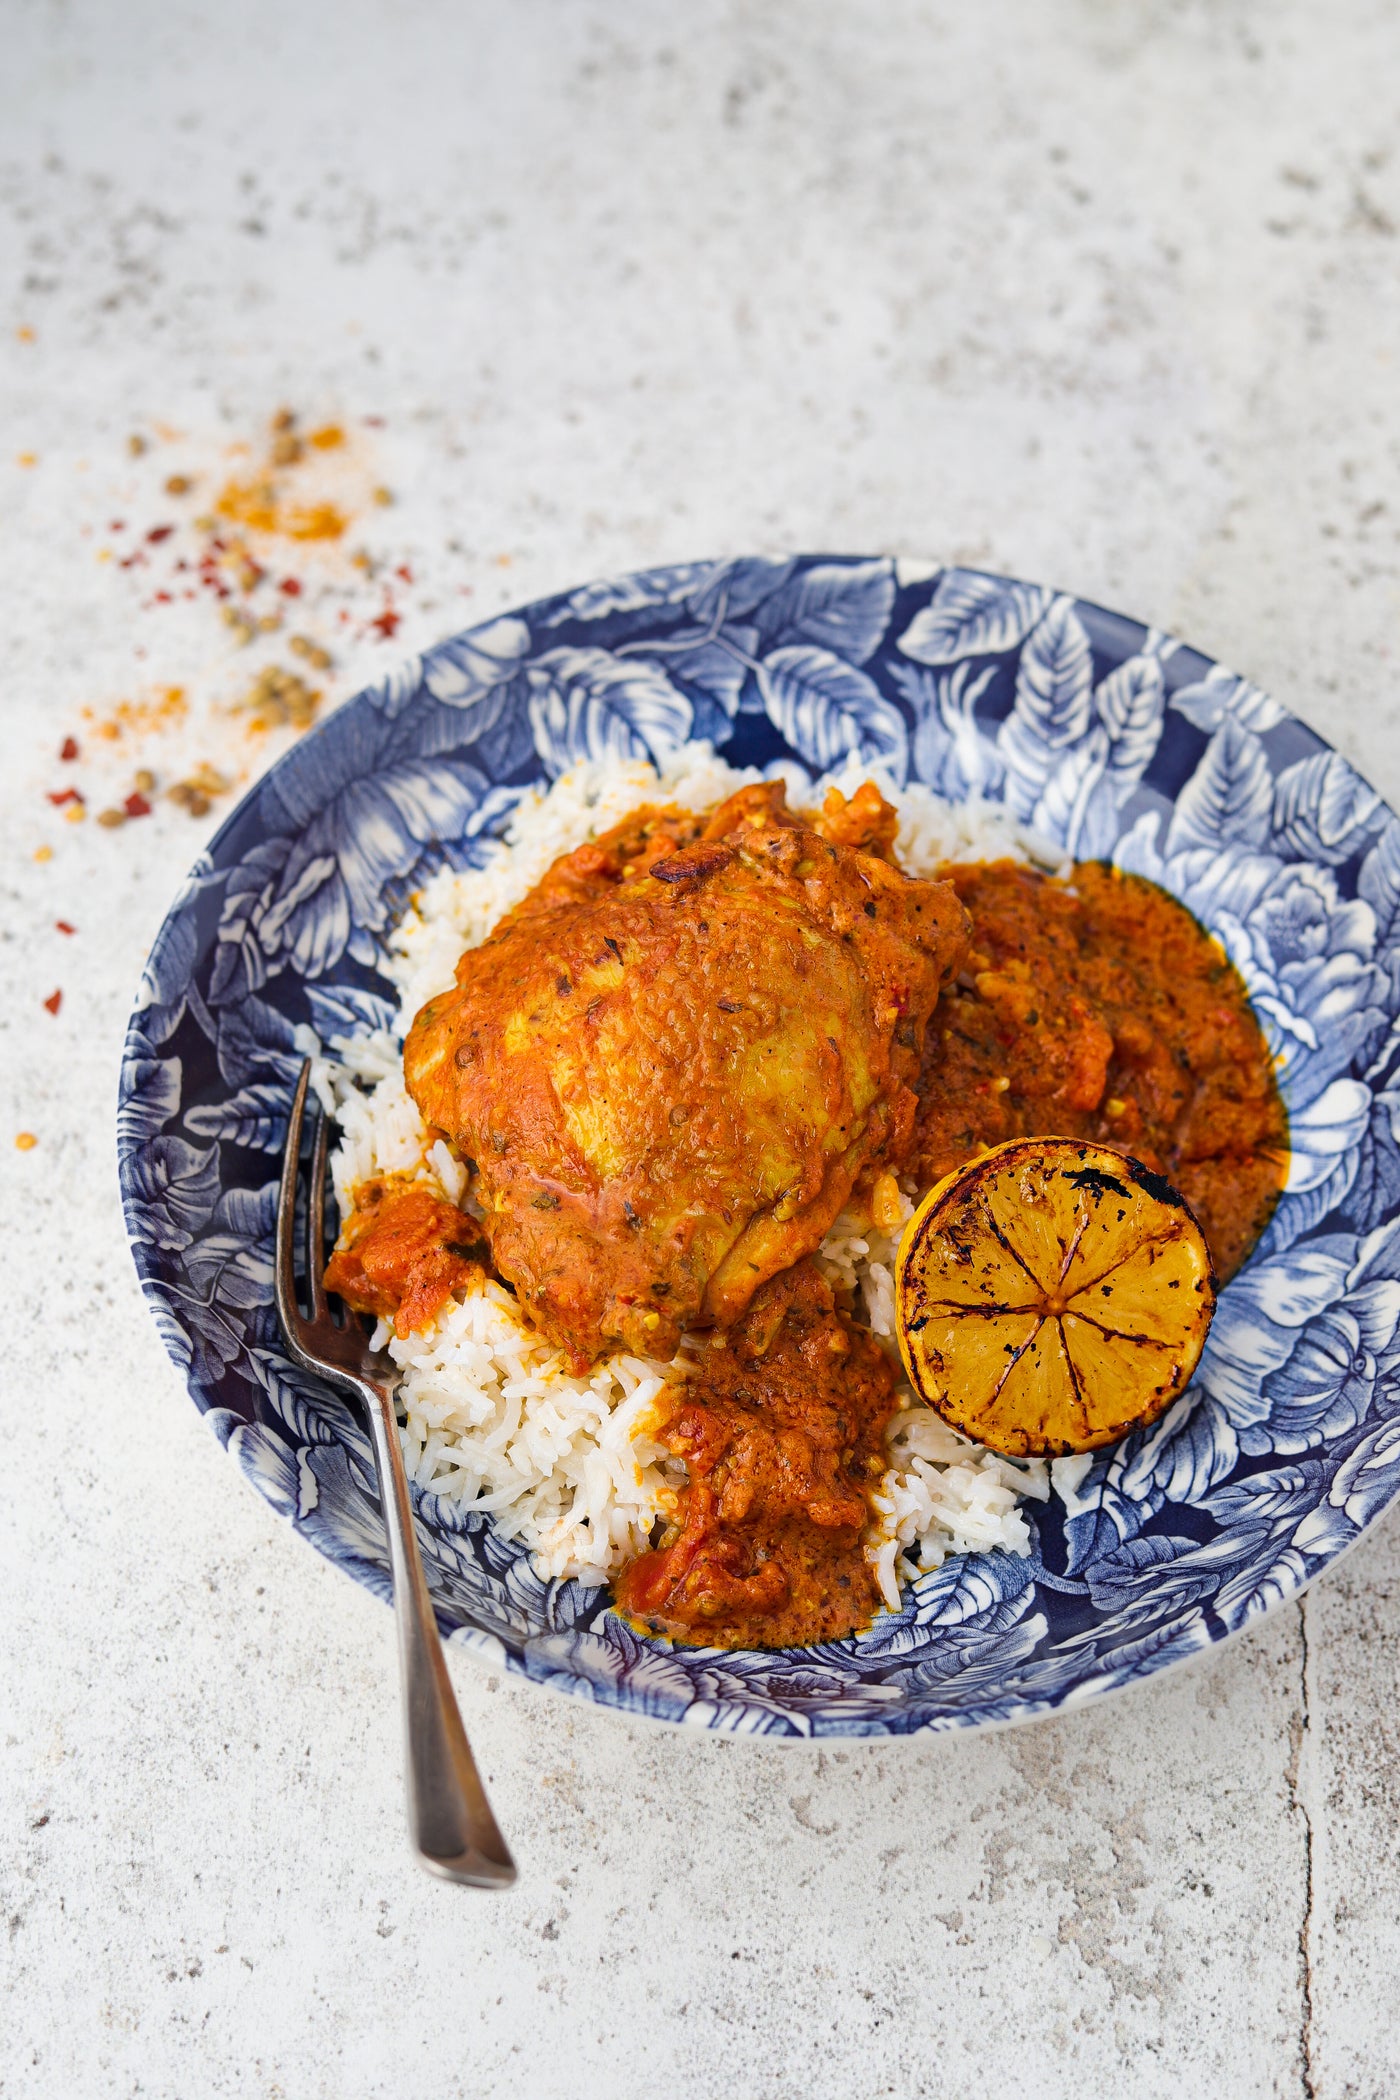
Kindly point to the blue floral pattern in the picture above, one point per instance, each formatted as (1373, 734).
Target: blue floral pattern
(1116, 741)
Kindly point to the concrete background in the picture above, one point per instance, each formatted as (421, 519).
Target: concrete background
(1101, 293)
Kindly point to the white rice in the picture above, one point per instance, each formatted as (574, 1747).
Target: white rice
(491, 1418)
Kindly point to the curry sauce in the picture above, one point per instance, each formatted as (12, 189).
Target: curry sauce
(782, 1427)
(1099, 1008)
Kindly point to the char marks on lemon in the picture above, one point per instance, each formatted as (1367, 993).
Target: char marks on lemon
(1051, 1296)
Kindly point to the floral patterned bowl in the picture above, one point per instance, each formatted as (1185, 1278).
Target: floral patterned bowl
(1114, 739)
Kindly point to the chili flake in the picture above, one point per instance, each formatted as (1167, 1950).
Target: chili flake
(53, 1002)
(61, 795)
(64, 927)
(137, 806)
(69, 749)
(386, 624)
(158, 533)
(289, 587)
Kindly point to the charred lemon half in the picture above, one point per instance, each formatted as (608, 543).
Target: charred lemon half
(1051, 1295)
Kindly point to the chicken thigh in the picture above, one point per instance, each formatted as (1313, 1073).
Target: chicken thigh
(674, 1061)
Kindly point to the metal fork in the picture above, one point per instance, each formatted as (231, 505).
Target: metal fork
(449, 1815)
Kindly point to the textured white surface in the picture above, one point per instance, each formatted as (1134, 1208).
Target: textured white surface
(1104, 294)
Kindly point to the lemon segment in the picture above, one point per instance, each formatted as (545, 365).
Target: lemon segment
(1052, 1295)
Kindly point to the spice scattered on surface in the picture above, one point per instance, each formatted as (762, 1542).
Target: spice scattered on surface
(316, 521)
(278, 696)
(167, 707)
(303, 646)
(262, 505)
(196, 793)
(25, 1141)
(58, 796)
(64, 927)
(53, 1002)
(266, 529)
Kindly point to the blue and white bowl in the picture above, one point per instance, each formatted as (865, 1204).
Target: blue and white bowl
(1115, 740)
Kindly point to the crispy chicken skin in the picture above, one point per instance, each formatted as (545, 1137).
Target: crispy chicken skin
(672, 1063)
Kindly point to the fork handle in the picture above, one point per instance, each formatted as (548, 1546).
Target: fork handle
(449, 1816)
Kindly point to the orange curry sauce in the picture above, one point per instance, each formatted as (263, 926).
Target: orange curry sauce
(403, 1252)
(1101, 1009)
(782, 1428)
(1096, 1008)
